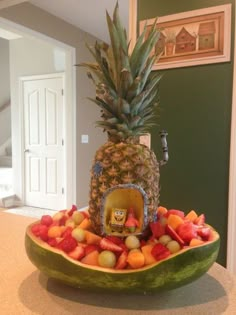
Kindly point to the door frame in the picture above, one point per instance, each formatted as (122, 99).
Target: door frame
(231, 237)
(65, 135)
(70, 124)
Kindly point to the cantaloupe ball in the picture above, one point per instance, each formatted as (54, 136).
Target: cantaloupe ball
(54, 231)
(136, 259)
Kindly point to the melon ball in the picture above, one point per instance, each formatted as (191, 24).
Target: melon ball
(78, 234)
(77, 217)
(165, 239)
(107, 259)
(132, 242)
(173, 247)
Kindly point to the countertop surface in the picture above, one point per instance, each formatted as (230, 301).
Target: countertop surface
(25, 290)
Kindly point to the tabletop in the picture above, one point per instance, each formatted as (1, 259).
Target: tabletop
(25, 290)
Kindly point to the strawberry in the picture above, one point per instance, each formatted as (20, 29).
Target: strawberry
(204, 233)
(90, 248)
(172, 233)
(109, 245)
(200, 220)
(124, 247)
(116, 240)
(68, 244)
(122, 261)
(36, 229)
(43, 232)
(157, 229)
(73, 209)
(159, 251)
(187, 231)
(46, 220)
(52, 242)
(62, 221)
(67, 231)
(78, 253)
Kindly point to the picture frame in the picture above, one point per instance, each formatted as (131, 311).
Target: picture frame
(193, 38)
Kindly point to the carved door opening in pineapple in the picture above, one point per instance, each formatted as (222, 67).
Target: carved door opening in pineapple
(124, 210)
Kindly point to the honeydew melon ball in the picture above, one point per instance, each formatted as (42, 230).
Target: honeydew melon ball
(78, 234)
(77, 217)
(132, 242)
(173, 247)
(107, 259)
(165, 239)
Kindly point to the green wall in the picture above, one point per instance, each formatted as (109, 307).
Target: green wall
(196, 111)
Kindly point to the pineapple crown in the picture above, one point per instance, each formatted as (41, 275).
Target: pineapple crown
(126, 91)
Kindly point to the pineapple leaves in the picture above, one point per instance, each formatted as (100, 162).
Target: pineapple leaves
(115, 46)
(120, 30)
(138, 101)
(126, 88)
(141, 53)
(120, 52)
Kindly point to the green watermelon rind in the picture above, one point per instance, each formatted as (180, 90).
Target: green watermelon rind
(173, 272)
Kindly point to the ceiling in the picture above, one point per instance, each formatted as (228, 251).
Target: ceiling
(88, 15)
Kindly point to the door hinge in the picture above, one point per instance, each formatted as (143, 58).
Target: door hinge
(62, 91)
(62, 141)
(62, 190)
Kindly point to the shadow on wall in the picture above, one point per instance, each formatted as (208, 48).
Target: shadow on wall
(5, 135)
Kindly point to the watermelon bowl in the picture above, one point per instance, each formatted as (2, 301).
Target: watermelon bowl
(80, 266)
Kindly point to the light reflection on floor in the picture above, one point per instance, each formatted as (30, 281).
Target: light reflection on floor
(30, 211)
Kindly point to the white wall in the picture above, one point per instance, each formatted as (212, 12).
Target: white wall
(5, 125)
(28, 56)
(86, 112)
(4, 72)
(33, 57)
(5, 115)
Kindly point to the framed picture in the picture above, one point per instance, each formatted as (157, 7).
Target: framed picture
(193, 38)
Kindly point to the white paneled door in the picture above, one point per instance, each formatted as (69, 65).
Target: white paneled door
(43, 146)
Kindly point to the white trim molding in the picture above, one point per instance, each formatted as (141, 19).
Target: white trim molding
(231, 238)
(70, 99)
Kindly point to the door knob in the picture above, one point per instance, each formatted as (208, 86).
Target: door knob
(26, 150)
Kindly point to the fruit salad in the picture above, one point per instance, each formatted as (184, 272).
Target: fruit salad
(70, 232)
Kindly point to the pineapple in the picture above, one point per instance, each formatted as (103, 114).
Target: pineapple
(126, 93)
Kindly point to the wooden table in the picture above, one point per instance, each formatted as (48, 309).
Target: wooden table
(24, 290)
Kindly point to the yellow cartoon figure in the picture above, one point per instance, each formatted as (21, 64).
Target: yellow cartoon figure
(118, 218)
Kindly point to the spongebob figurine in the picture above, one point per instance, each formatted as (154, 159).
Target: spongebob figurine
(118, 219)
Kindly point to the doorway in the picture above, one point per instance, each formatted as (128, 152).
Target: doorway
(44, 155)
(59, 179)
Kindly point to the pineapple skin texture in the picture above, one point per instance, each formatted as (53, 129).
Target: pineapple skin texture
(123, 163)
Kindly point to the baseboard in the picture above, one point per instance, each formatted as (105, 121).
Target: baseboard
(9, 201)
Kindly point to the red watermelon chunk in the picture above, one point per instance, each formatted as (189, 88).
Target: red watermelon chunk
(160, 252)
(172, 233)
(176, 212)
(187, 231)
(200, 220)
(157, 229)
(67, 244)
(92, 247)
(204, 232)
